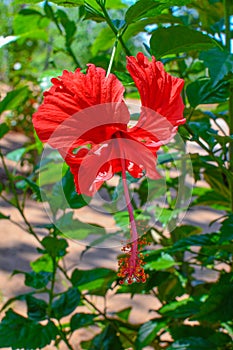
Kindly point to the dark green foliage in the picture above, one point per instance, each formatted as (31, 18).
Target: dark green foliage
(189, 264)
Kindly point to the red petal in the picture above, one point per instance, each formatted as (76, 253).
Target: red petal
(93, 125)
(158, 90)
(152, 129)
(103, 161)
(73, 92)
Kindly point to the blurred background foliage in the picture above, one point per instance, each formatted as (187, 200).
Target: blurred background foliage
(194, 41)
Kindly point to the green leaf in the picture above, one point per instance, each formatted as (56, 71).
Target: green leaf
(139, 9)
(195, 240)
(213, 199)
(4, 217)
(124, 314)
(181, 309)
(226, 230)
(178, 39)
(31, 28)
(16, 155)
(150, 8)
(68, 3)
(14, 99)
(171, 287)
(81, 320)
(4, 128)
(104, 41)
(214, 177)
(37, 280)
(28, 11)
(74, 200)
(19, 332)
(36, 308)
(168, 157)
(50, 173)
(202, 92)
(109, 4)
(192, 343)
(165, 261)
(39, 193)
(107, 340)
(125, 78)
(65, 303)
(96, 281)
(89, 12)
(75, 229)
(219, 63)
(219, 305)
(148, 332)
(68, 25)
(42, 264)
(55, 247)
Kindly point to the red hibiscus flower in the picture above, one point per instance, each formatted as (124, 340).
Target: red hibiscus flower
(85, 117)
(94, 140)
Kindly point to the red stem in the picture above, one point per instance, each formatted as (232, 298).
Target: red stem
(134, 233)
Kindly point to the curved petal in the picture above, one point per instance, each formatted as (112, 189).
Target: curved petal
(152, 129)
(92, 126)
(102, 162)
(158, 90)
(73, 92)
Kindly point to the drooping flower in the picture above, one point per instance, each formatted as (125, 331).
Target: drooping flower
(85, 117)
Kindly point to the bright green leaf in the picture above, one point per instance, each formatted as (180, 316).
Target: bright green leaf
(165, 261)
(42, 264)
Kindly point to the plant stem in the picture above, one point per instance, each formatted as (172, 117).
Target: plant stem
(114, 29)
(17, 203)
(51, 291)
(231, 143)
(227, 14)
(227, 17)
(71, 53)
(63, 337)
(68, 46)
(112, 57)
(129, 205)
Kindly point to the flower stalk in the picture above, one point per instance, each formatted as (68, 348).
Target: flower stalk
(131, 266)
